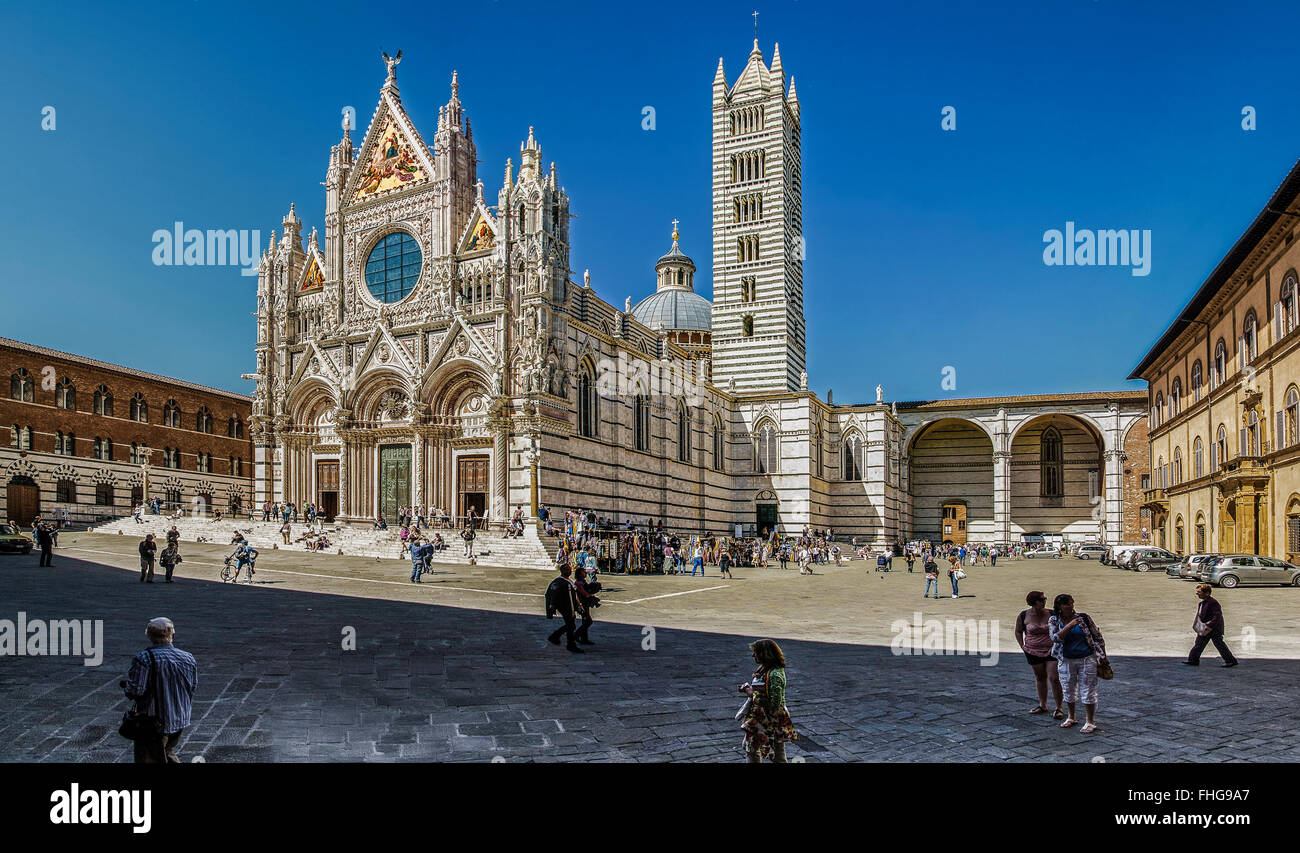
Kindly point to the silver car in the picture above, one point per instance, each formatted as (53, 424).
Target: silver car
(1236, 569)
(1090, 552)
(1191, 566)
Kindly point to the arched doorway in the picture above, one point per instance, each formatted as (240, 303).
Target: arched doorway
(24, 499)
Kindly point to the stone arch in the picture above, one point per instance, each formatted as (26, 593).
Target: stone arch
(307, 401)
(914, 432)
(1070, 511)
(951, 461)
(444, 387)
(371, 390)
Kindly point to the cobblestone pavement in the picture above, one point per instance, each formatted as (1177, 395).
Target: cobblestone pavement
(457, 669)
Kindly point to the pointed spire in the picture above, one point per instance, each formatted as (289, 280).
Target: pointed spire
(720, 79)
(757, 51)
(510, 174)
(449, 117)
(776, 59)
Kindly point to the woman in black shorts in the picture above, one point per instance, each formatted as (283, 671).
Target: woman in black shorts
(1036, 642)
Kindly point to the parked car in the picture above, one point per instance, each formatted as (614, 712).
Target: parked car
(1146, 559)
(1090, 552)
(1191, 566)
(1049, 551)
(13, 540)
(1233, 570)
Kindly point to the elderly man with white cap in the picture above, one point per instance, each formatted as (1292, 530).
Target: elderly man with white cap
(161, 682)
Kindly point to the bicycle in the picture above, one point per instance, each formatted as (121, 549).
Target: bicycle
(230, 568)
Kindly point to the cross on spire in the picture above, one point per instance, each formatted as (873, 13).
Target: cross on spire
(675, 237)
(755, 25)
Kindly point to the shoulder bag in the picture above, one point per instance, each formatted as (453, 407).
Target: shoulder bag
(135, 723)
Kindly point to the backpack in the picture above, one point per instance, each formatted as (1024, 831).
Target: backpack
(550, 598)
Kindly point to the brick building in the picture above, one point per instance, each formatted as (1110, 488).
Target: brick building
(85, 437)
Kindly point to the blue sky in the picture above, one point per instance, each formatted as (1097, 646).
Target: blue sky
(925, 247)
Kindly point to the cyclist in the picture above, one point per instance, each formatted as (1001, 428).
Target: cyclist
(245, 556)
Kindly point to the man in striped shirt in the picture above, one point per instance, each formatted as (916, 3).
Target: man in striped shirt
(161, 682)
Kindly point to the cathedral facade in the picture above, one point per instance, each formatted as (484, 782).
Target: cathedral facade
(434, 350)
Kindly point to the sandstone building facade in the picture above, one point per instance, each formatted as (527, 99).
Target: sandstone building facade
(1224, 397)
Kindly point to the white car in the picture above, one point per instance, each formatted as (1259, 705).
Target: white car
(1044, 551)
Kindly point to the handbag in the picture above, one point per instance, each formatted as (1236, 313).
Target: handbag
(959, 575)
(1104, 670)
(136, 724)
(1200, 627)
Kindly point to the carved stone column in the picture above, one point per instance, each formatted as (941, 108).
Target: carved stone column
(500, 470)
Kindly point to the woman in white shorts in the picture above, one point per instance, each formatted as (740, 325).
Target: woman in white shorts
(1078, 646)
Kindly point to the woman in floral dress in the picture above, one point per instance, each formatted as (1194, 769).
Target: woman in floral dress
(767, 724)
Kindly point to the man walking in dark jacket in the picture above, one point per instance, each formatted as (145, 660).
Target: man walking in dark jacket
(561, 596)
(1209, 629)
(45, 539)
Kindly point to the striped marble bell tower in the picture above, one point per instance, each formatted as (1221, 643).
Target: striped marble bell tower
(758, 323)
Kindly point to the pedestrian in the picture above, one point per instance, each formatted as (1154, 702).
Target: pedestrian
(911, 560)
(767, 723)
(45, 539)
(173, 536)
(161, 682)
(418, 554)
(1209, 628)
(170, 556)
(1079, 650)
(468, 535)
(285, 529)
(266, 511)
(724, 564)
(587, 601)
(562, 598)
(697, 561)
(1035, 641)
(882, 565)
(955, 574)
(147, 549)
(931, 577)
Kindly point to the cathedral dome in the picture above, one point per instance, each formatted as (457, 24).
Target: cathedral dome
(675, 305)
(675, 309)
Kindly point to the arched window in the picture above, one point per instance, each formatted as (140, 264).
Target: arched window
(719, 445)
(1249, 338)
(1198, 458)
(641, 423)
(766, 450)
(103, 401)
(1252, 434)
(1219, 450)
(235, 427)
(1220, 364)
(139, 408)
(1196, 381)
(1158, 414)
(1052, 464)
(204, 463)
(587, 419)
(683, 433)
(1199, 541)
(1290, 304)
(65, 395)
(22, 387)
(103, 448)
(1178, 466)
(1292, 414)
(1175, 397)
(817, 452)
(521, 218)
(203, 420)
(65, 444)
(22, 437)
(851, 457)
(171, 414)
(1178, 536)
